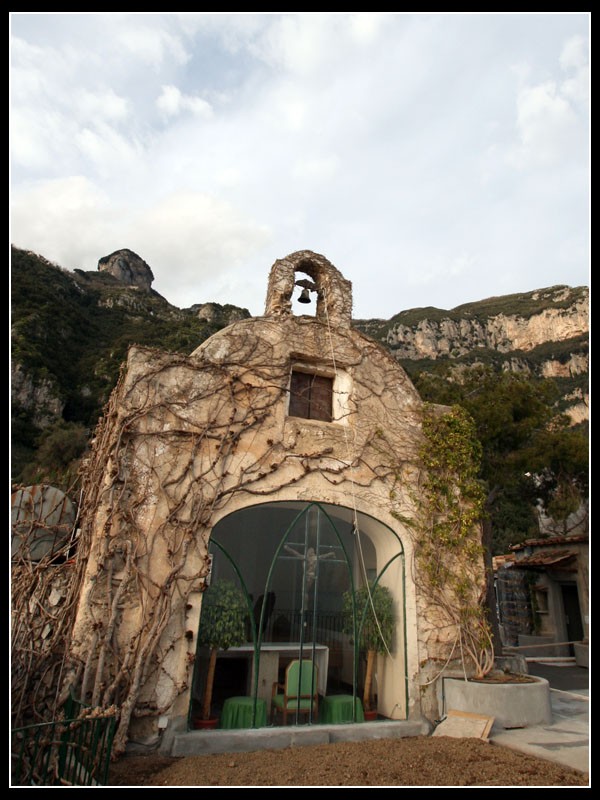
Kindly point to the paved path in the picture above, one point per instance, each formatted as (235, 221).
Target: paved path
(566, 740)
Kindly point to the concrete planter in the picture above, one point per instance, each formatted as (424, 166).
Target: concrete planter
(513, 705)
(582, 654)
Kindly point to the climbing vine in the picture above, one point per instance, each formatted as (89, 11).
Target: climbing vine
(44, 595)
(180, 438)
(446, 527)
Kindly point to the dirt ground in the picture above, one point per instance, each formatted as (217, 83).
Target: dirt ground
(412, 761)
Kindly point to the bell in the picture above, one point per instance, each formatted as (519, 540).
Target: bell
(304, 297)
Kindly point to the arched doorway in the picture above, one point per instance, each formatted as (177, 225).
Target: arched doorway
(299, 565)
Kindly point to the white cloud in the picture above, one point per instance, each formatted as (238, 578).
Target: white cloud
(365, 27)
(106, 148)
(575, 53)
(190, 239)
(65, 220)
(545, 122)
(551, 116)
(575, 58)
(316, 170)
(150, 44)
(214, 143)
(228, 177)
(172, 103)
(299, 43)
(104, 104)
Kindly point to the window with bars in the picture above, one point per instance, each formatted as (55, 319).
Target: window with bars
(311, 396)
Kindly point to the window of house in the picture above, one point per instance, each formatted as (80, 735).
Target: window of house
(311, 396)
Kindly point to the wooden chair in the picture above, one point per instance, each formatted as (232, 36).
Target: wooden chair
(299, 693)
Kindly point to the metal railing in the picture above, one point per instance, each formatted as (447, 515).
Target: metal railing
(67, 752)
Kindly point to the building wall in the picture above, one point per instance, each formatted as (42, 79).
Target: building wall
(187, 440)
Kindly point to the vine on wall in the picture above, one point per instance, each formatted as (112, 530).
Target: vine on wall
(446, 528)
(44, 596)
(180, 437)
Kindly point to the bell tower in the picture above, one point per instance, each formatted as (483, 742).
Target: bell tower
(334, 292)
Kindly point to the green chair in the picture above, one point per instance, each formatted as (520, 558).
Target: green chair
(299, 693)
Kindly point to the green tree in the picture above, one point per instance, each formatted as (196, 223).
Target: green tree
(222, 625)
(57, 456)
(529, 453)
(521, 435)
(373, 619)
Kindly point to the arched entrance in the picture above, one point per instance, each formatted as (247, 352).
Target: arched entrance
(300, 567)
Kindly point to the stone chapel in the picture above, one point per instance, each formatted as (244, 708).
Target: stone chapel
(281, 456)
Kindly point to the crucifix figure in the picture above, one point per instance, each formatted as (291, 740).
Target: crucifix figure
(310, 565)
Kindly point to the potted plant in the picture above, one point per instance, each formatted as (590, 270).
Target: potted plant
(375, 622)
(222, 625)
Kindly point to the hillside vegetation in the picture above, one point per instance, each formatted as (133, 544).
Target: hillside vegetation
(70, 335)
(71, 332)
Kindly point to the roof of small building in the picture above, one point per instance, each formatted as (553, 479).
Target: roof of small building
(546, 558)
(552, 541)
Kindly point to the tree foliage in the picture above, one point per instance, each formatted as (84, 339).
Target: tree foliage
(375, 617)
(223, 616)
(222, 625)
(529, 451)
(72, 330)
(369, 614)
(446, 525)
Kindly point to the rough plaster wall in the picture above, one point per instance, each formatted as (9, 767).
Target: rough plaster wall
(191, 439)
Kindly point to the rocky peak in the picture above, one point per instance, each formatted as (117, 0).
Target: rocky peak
(128, 268)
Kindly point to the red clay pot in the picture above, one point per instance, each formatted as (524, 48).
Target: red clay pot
(205, 724)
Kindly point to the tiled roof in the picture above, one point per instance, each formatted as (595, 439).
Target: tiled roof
(502, 561)
(546, 558)
(581, 539)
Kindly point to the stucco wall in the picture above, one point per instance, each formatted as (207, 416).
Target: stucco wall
(187, 440)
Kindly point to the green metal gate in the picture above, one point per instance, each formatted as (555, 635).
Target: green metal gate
(74, 751)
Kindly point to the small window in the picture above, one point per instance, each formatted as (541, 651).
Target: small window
(311, 396)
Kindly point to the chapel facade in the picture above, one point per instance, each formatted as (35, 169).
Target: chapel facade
(280, 457)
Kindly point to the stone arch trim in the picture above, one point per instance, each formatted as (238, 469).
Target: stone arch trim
(334, 292)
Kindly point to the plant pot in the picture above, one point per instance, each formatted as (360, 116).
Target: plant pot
(205, 724)
(371, 716)
(513, 705)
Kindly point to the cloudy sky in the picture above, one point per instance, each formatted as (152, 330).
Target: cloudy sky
(435, 159)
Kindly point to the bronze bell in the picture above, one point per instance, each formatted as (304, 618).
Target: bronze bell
(304, 297)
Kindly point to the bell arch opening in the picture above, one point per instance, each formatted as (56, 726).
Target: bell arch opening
(301, 569)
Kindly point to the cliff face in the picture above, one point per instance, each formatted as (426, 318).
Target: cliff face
(432, 339)
(542, 333)
(41, 399)
(70, 332)
(562, 313)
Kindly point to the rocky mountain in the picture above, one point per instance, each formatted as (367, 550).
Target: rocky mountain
(70, 334)
(544, 333)
(71, 331)
(128, 268)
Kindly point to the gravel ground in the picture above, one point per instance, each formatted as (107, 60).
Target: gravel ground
(412, 761)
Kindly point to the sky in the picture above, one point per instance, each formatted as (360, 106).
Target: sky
(434, 158)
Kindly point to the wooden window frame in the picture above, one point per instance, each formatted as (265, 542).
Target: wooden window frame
(311, 396)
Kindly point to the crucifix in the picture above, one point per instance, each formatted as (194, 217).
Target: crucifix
(310, 559)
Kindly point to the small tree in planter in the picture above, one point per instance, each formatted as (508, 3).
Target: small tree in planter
(375, 621)
(222, 625)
